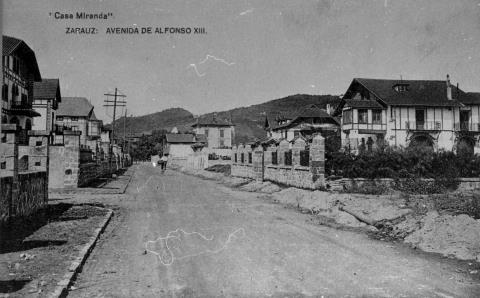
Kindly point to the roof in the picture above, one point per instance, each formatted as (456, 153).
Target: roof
(12, 45)
(74, 106)
(419, 93)
(212, 120)
(472, 98)
(47, 89)
(175, 138)
(93, 117)
(356, 103)
(308, 111)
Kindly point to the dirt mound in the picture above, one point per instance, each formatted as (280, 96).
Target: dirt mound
(235, 181)
(264, 187)
(449, 235)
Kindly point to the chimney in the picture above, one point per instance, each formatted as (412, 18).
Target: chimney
(449, 88)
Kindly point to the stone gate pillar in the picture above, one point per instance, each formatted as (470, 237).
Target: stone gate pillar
(298, 146)
(317, 157)
(257, 161)
(71, 158)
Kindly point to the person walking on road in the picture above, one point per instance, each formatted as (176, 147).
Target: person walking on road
(163, 162)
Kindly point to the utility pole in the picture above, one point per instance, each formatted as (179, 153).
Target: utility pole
(114, 103)
(124, 125)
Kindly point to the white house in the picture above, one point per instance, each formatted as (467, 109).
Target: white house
(219, 133)
(305, 122)
(409, 112)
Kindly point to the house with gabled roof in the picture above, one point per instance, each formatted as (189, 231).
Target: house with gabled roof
(182, 147)
(219, 133)
(20, 71)
(46, 97)
(305, 122)
(433, 113)
(76, 114)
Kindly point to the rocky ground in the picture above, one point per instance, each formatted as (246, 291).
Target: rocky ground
(443, 224)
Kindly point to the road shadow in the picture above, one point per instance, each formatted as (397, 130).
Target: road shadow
(15, 231)
(14, 285)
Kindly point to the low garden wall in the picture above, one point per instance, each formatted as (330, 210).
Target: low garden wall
(348, 183)
(299, 176)
(241, 170)
(298, 163)
(30, 196)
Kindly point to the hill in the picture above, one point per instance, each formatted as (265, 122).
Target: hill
(166, 119)
(249, 121)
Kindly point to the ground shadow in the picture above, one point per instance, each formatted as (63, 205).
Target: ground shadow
(14, 285)
(16, 230)
(101, 182)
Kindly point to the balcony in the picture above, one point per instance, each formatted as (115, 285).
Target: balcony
(424, 126)
(466, 126)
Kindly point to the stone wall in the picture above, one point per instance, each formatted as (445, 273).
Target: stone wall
(71, 164)
(24, 172)
(265, 167)
(31, 195)
(300, 177)
(87, 173)
(243, 170)
(5, 197)
(347, 183)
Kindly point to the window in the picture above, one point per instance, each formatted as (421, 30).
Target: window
(236, 157)
(274, 158)
(363, 116)
(222, 143)
(38, 143)
(59, 118)
(242, 157)
(249, 157)
(377, 116)
(3, 165)
(74, 128)
(206, 132)
(347, 117)
(38, 163)
(74, 118)
(24, 99)
(305, 158)
(16, 65)
(222, 133)
(5, 92)
(14, 91)
(401, 87)
(288, 158)
(296, 133)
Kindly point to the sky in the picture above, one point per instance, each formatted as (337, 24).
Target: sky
(252, 52)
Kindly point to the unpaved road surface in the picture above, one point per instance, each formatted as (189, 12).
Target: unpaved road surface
(176, 235)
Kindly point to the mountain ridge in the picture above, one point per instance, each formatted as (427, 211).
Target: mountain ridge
(248, 121)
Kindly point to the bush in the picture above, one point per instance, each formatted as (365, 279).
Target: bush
(411, 163)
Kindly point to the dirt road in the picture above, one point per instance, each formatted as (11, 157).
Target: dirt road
(205, 240)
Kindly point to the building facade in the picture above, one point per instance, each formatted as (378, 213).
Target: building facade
(20, 71)
(218, 132)
(377, 112)
(305, 122)
(46, 97)
(76, 114)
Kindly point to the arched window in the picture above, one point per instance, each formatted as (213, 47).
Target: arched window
(28, 124)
